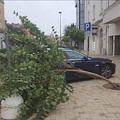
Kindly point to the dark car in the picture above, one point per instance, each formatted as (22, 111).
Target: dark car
(101, 66)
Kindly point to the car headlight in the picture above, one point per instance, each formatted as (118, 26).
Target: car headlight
(113, 62)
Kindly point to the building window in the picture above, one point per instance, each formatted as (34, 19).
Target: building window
(101, 33)
(82, 14)
(82, 7)
(93, 44)
(93, 12)
(81, 20)
(81, 2)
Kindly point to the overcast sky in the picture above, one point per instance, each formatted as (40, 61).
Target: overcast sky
(43, 13)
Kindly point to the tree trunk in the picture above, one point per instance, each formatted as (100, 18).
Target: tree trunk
(94, 75)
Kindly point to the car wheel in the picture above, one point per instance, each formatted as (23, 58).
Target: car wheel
(106, 71)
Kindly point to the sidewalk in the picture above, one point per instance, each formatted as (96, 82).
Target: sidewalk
(90, 100)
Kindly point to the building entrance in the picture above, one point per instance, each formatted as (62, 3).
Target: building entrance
(117, 45)
(114, 45)
(110, 45)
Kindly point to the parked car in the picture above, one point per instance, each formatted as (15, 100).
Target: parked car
(101, 66)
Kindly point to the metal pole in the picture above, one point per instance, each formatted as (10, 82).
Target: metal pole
(88, 47)
(8, 54)
(79, 14)
(60, 25)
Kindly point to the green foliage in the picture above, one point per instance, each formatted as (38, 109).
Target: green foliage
(68, 28)
(17, 30)
(55, 33)
(66, 39)
(36, 72)
(76, 35)
(3, 50)
(71, 31)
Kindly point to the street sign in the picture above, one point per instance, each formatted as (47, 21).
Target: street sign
(87, 33)
(87, 26)
(94, 29)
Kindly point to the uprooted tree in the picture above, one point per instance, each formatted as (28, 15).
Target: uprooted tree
(37, 73)
(71, 68)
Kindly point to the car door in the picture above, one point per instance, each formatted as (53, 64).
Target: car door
(77, 60)
(88, 65)
(82, 62)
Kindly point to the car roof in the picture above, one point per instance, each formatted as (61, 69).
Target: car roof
(65, 49)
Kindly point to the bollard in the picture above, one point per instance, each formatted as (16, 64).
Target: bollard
(10, 107)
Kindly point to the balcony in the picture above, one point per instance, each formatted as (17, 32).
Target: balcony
(112, 13)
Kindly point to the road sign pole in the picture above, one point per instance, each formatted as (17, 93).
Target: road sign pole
(8, 54)
(87, 28)
(88, 46)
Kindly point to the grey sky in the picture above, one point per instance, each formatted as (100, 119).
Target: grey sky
(43, 13)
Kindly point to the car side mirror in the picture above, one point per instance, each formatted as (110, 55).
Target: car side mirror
(85, 58)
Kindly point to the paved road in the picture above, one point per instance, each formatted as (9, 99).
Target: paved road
(90, 100)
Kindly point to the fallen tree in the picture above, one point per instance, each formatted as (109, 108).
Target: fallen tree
(71, 68)
(36, 72)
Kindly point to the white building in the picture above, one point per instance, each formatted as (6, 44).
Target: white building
(105, 16)
(80, 17)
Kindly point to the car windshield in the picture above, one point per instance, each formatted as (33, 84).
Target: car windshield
(74, 55)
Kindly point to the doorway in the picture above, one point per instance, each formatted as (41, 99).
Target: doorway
(117, 45)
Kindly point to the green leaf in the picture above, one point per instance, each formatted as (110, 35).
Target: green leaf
(34, 70)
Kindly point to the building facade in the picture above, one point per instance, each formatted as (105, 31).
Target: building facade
(80, 13)
(2, 23)
(2, 18)
(18, 26)
(105, 23)
(80, 17)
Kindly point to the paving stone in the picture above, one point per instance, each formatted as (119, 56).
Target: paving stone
(90, 100)
(85, 116)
